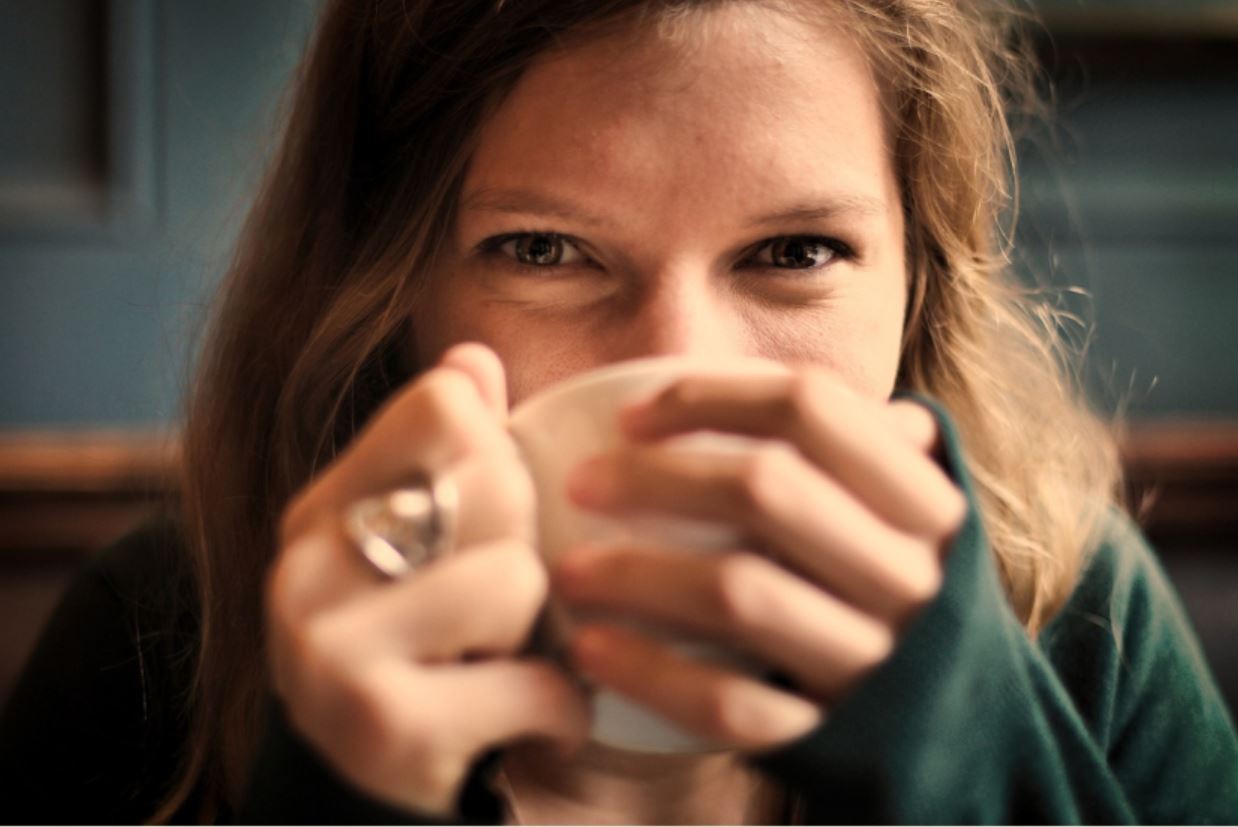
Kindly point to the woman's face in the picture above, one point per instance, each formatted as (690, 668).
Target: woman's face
(725, 192)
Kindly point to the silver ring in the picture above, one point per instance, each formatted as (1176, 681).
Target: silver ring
(405, 528)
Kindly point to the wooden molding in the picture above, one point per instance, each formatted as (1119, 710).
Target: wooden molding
(73, 492)
(118, 200)
(88, 462)
(1183, 447)
(1169, 22)
(1182, 477)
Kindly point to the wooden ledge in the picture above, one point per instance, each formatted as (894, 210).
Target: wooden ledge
(104, 462)
(73, 492)
(1182, 479)
(1215, 22)
(1194, 447)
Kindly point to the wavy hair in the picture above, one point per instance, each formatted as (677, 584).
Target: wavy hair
(308, 335)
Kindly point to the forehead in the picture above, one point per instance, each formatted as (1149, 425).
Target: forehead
(702, 112)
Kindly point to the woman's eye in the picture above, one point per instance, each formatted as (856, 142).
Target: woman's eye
(798, 252)
(539, 249)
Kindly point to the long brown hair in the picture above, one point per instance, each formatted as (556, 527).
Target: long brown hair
(313, 316)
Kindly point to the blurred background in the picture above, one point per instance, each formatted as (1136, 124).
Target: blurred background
(131, 132)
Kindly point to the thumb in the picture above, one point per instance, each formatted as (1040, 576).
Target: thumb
(482, 365)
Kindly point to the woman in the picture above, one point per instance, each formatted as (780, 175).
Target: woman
(475, 199)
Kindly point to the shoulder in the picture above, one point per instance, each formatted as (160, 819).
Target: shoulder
(138, 595)
(1122, 593)
(135, 597)
(1122, 644)
(150, 558)
(100, 706)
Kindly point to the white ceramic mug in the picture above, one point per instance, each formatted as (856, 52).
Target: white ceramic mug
(564, 424)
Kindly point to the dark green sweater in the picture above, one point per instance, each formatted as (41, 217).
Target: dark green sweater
(1110, 716)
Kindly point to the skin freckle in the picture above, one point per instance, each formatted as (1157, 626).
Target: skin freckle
(659, 156)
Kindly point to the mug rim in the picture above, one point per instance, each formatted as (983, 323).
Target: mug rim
(582, 381)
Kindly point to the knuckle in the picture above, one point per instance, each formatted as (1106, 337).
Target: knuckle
(365, 707)
(434, 770)
(378, 731)
(918, 419)
(682, 393)
(955, 511)
(514, 498)
(324, 652)
(409, 747)
(727, 710)
(803, 395)
(923, 583)
(315, 644)
(379, 740)
(291, 581)
(446, 402)
(281, 593)
(518, 567)
(811, 394)
(312, 676)
(877, 645)
(296, 517)
(740, 589)
(763, 478)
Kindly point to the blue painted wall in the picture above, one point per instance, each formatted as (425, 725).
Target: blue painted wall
(95, 327)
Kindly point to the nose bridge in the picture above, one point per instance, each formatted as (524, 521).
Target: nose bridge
(680, 311)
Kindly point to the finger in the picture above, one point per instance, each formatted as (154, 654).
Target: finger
(496, 498)
(482, 365)
(427, 427)
(307, 575)
(706, 700)
(839, 431)
(480, 602)
(499, 701)
(319, 569)
(788, 507)
(735, 597)
(916, 424)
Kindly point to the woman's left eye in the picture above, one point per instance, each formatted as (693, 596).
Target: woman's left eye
(798, 252)
(536, 249)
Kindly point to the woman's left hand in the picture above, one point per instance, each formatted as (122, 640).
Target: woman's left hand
(850, 512)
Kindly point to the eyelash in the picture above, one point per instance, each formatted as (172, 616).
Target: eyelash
(493, 245)
(840, 249)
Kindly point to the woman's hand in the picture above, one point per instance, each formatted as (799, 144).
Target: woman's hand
(852, 517)
(401, 684)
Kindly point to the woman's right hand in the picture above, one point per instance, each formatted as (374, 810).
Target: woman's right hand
(401, 684)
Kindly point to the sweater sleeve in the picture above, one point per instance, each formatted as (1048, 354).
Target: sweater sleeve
(1125, 651)
(1112, 717)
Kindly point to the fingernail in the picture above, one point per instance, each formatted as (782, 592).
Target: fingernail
(633, 419)
(578, 558)
(572, 569)
(570, 746)
(589, 647)
(591, 482)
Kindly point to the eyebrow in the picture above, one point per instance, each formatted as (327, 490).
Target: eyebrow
(528, 202)
(833, 206)
(532, 202)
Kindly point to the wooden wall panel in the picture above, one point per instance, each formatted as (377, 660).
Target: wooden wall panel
(79, 152)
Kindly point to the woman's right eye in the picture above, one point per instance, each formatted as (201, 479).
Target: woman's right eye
(536, 249)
